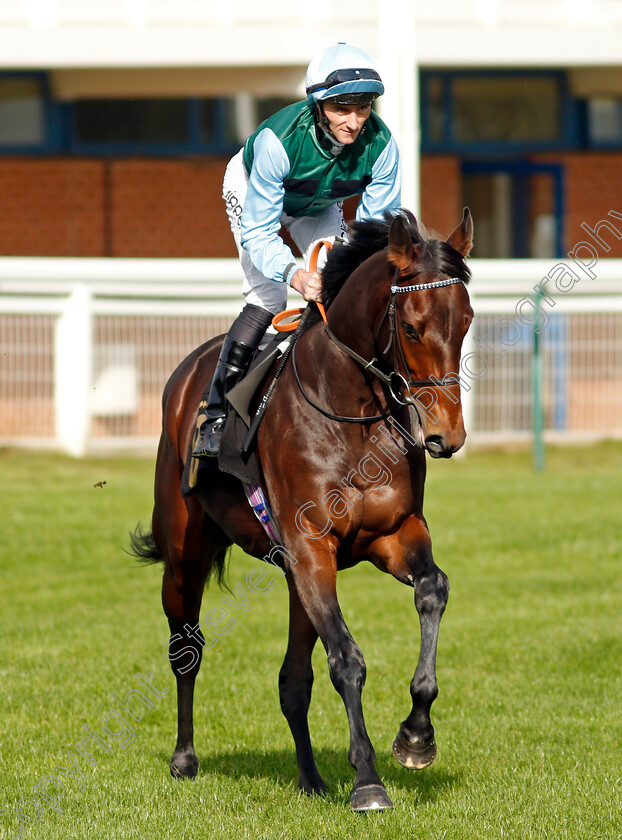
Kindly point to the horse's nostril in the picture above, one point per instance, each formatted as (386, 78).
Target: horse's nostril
(434, 442)
(438, 447)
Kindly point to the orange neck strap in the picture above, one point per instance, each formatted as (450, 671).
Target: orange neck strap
(290, 326)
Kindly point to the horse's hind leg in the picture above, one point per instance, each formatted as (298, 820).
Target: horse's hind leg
(184, 651)
(295, 683)
(190, 552)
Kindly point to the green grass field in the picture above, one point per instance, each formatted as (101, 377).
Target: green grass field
(528, 720)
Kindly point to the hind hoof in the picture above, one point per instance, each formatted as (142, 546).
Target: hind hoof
(370, 798)
(413, 755)
(312, 786)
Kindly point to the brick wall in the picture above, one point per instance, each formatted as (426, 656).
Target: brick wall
(51, 207)
(118, 208)
(593, 188)
(441, 193)
(152, 208)
(124, 208)
(169, 208)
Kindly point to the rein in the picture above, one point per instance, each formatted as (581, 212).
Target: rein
(405, 383)
(340, 417)
(361, 361)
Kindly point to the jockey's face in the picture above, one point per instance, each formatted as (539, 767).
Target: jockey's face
(346, 121)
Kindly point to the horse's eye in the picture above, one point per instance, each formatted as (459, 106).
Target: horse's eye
(410, 332)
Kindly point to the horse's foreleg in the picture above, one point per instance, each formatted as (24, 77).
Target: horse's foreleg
(295, 684)
(408, 556)
(316, 587)
(414, 746)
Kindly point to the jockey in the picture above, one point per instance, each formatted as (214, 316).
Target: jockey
(294, 172)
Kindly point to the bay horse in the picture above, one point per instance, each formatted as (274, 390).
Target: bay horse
(397, 312)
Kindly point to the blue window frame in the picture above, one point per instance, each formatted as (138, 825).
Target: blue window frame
(33, 123)
(520, 171)
(157, 126)
(475, 112)
(30, 122)
(603, 119)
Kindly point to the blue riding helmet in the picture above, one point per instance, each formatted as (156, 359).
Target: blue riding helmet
(344, 74)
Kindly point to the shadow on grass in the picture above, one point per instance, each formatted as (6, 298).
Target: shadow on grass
(279, 766)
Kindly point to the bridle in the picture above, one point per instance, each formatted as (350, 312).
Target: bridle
(398, 351)
(404, 382)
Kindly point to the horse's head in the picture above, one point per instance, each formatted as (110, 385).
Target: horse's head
(432, 316)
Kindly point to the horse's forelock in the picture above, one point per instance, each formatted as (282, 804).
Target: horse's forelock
(446, 260)
(435, 255)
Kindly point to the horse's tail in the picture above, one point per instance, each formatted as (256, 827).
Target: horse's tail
(143, 546)
(218, 569)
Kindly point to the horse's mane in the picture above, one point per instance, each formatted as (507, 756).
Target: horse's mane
(369, 237)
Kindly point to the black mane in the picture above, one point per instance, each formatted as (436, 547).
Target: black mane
(369, 237)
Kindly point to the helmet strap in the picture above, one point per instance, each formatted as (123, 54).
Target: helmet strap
(325, 136)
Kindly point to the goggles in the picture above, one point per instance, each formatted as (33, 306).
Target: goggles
(340, 76)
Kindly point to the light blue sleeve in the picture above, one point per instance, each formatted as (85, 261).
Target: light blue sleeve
(384, 192)
(263, 207)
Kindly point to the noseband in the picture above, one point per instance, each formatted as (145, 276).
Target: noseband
(405, 382)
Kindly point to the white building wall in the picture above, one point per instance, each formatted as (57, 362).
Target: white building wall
(208, 33)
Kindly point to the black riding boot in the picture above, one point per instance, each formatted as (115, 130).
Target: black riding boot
(234, 361)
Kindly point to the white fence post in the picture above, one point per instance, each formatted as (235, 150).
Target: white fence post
(73, 360)
(399, 107)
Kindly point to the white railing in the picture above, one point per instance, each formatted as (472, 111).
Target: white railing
(575, 378)
(86, 346)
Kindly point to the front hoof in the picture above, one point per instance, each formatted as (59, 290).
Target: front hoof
(184, 765)
(415, 755)
(370, 798)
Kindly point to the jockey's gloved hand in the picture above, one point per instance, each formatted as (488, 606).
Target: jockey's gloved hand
(308, 283)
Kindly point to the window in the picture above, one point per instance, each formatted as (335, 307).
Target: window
(131, 121)
(436, 112)
(266, 107)
(218, 123)
(604, 119)
(22, 112)
(518, 206)
(156, 126)
(32, 122)
(506, 110)
(479, 112)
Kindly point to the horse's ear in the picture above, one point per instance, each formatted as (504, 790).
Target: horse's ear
(410, 218)
(401, 248)
(461, 240)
